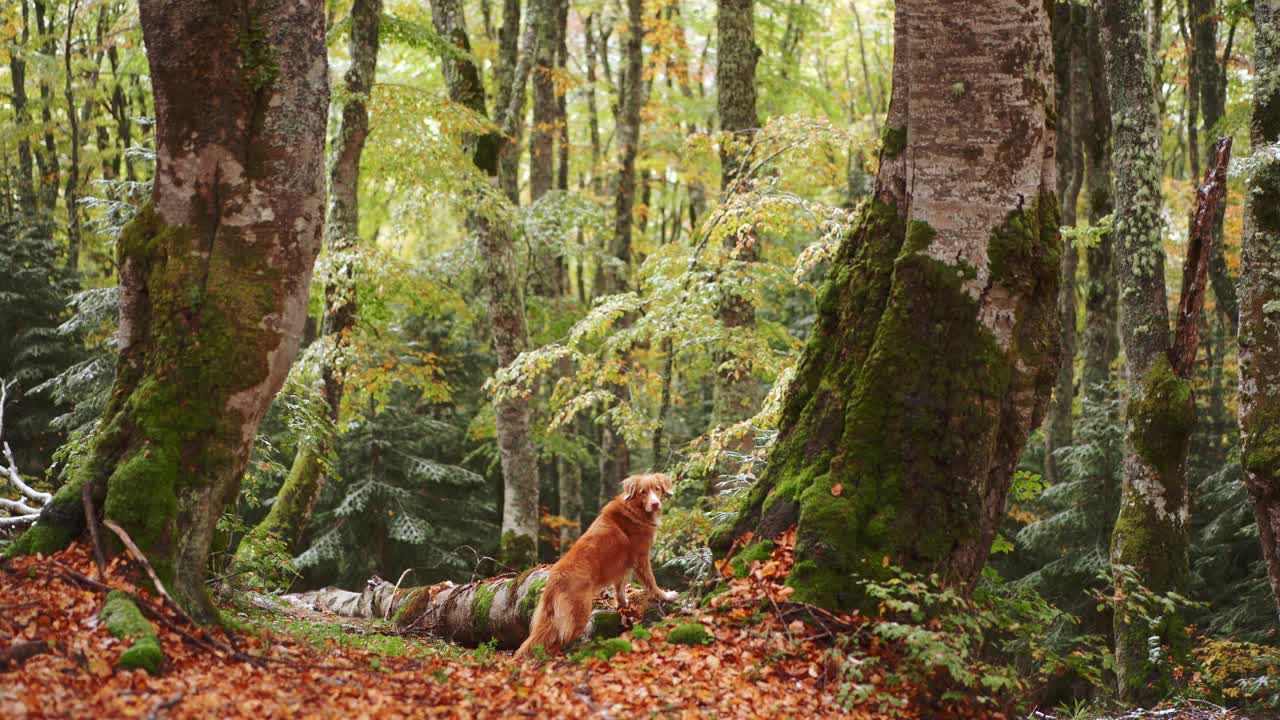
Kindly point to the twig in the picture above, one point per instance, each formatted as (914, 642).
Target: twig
(146, 565)
(90, 519)
(207, 643)
(391, 601)
(164, 705)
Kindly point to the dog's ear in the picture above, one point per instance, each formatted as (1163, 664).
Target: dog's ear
(665, 479)
(630, 487)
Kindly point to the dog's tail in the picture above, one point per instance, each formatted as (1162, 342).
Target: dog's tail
(561, 616)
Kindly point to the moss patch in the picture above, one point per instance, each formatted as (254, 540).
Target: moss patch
(517, 551)
(755, 552)
(481, 604)
(893, 140)
(529, 603)
(601, 650)
(125, 622)
(689, 634)
(1161, 421)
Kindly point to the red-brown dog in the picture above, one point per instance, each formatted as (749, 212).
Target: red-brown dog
(615, 545)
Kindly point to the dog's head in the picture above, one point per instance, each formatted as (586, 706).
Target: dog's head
(647, 491)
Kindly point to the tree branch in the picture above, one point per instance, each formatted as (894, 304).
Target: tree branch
(1194, 269)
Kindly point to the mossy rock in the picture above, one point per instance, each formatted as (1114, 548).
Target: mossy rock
(606, 624)
(690, 634)
(124, 621)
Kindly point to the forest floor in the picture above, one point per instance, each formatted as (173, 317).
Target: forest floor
(753, 663)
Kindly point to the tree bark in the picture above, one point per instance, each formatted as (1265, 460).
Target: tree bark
(495, 240)
(1058, 426)
(290, 515)
(214, 277)
(734, 396)
(1260, 298)
(935, 347)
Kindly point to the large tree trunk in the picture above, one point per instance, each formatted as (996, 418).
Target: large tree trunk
(291, 514)
(1066, 52)
(734, 397)
(1260, 298)
(494, 609)
(214, 277)
(935, 347)
(495, 240)
(1151, 531)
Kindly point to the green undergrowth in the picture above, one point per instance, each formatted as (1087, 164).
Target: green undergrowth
(602, 649)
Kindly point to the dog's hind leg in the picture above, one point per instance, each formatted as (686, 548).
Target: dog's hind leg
(572, 611)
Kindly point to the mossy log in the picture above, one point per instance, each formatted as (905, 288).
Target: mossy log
(494, 609)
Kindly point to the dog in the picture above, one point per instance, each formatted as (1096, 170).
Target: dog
(616, 545)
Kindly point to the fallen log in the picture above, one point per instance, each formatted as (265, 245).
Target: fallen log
(493, 609)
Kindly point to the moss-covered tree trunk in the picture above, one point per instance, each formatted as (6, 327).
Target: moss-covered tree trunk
(290, 515)
(1070, 166)
(735, 396)
(936, 342)
(495, 240)
(214, 277)
(1260, 297)
(1151, 531)
(494, 609)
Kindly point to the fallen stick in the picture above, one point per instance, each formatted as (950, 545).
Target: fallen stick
(91, 520)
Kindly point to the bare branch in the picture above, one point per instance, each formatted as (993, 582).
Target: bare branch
(1199, 247)
(21, 513)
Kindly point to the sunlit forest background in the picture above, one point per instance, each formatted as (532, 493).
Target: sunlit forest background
(634, 359)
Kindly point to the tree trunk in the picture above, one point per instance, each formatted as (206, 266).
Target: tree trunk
(615, 463)
(734, 395)
(495, 240)
(935, 346)
(1151, 532)
(494, 609)
(21, 114)
(1101, 342)
(548, 270)
(1058, 426)
(47, 163)
(214, 277)
(1260, 298)
(1211, 81)
(290, 515)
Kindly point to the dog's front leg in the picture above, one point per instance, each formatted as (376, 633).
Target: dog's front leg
(620, 593)
(645, 571)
